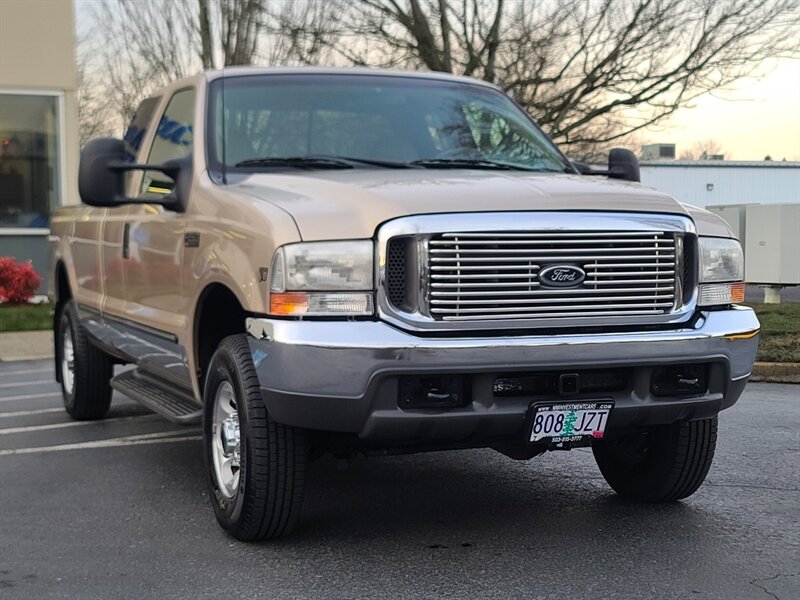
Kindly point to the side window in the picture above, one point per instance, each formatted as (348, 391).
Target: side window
(137, 130)
(173, 139)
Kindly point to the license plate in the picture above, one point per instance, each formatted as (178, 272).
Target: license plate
(570, 422)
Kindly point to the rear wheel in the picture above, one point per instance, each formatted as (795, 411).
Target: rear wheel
(85, 370)
(662, 464)
(255, 466)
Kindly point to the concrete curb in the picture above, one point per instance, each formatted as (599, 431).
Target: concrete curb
(38, 345)
(776, 372)
(26, 345)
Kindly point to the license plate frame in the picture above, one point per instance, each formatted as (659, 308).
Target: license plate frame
(579, 408)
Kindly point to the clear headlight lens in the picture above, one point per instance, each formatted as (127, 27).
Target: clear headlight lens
(322, 278)
(721, 272)
(721, 259)
(320, 266)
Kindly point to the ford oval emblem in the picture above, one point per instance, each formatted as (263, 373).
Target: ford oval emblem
(561, 276)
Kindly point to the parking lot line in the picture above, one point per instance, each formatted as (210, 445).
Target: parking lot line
(24, 383)
(29, 371)
(27, 413)
(162, 437)
(30, 396)
(29, 428)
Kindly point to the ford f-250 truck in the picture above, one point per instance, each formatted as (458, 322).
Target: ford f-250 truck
(359, 261)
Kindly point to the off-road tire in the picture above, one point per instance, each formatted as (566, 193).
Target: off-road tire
(269, 498)
(90, 396)
(663, 464)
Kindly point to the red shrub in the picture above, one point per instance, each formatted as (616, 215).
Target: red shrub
(18, 281)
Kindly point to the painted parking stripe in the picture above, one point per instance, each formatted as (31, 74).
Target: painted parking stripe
(164, 437)
(27, 413)
(29, 428)
(28, 371)
(30, 396)
(17, 384)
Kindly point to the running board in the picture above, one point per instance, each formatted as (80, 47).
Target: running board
(161, 397)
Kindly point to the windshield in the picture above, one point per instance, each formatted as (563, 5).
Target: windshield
(272, 122)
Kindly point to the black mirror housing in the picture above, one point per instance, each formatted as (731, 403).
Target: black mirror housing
(101, 176)
(98, 183)
(623, 164)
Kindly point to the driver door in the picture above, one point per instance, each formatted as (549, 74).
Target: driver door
(155, 304)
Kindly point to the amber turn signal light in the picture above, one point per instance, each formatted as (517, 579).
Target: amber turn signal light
(288, 304)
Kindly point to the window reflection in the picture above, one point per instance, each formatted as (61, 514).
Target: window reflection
(29, 176)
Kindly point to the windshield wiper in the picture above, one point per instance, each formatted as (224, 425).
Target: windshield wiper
(469, 163)
(298, 162)
(320, 161)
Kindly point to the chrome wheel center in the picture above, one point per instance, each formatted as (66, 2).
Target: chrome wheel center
(226, 445)
(68, 362)
(230, 439)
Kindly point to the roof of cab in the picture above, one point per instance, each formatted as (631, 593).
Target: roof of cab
(211, 75)
(312, 70)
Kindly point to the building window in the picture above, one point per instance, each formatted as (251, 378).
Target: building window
(29, 159)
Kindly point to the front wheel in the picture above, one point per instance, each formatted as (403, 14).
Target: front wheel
(661, 464)
(255, 466)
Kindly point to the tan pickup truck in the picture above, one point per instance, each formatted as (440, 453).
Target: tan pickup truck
(358, 261)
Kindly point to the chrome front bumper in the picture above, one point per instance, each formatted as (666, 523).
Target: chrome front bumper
(343, 375)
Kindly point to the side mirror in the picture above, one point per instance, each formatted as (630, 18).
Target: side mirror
(101, 176)
(623, 164)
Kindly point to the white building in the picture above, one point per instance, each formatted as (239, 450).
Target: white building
(714, 182)
(38, 124)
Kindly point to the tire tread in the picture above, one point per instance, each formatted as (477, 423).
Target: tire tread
(275, 455)
(91, 392)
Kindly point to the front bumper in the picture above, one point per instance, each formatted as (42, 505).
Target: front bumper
(344, 375)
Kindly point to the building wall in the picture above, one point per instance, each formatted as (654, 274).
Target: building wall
(37, 59)
(702, 183)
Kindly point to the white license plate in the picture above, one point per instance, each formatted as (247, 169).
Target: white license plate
(570, 422)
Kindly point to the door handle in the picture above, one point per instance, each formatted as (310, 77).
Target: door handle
(126, 241)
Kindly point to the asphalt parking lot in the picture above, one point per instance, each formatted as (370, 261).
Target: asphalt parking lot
(118, 509)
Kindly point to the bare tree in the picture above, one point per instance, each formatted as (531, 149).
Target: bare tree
(95, 112)
(702, 150)
(590, 71)
(139, 45)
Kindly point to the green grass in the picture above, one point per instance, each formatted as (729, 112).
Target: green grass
(26, 317)
(780, 332)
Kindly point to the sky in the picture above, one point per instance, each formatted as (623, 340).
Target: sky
(760, 117)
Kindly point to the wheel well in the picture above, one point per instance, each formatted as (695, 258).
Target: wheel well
(63, 294)
(218, 315)
(62, 291)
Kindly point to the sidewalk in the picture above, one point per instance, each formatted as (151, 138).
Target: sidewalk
(26, 345)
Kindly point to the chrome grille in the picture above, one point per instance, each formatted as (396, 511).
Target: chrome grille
(495, 275)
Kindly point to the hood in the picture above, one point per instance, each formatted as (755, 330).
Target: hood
(352, 204)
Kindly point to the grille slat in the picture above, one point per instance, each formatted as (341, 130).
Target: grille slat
(550, 251)
(547, 292)
(436, 244)
(540, 258)
(545, 309)
(444, 302)
(495, 275)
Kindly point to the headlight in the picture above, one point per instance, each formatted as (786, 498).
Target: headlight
(720, 260)
(322, 278)
(721, 271)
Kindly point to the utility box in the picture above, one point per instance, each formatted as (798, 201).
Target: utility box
(734, 215)
(772, 251)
